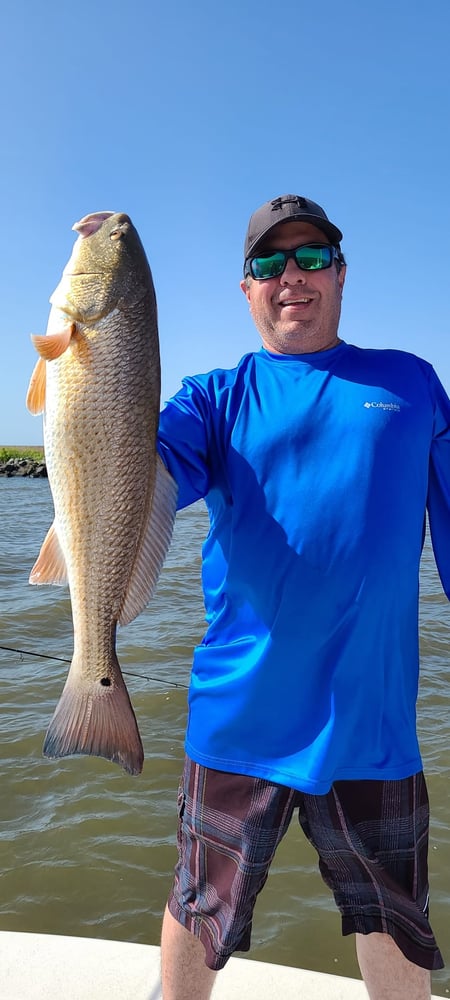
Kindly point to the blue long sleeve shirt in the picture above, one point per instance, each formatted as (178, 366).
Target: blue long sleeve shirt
(316, 470)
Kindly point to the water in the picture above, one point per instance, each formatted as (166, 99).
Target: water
(88, 850)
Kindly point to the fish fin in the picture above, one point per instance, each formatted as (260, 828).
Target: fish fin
(52, 345)
(98, 720)
(50, 565)
(35, 400)
(154, 545)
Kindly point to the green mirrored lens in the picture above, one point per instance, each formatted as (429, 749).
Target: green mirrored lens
(308, 258)
(312, 258)
(268, 267)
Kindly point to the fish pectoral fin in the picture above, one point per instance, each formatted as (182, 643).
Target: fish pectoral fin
(50, 565)
(96, 719)
(35, 400)
(52, 345)
(154, 545)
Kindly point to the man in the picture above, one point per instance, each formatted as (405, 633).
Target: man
(317, 461)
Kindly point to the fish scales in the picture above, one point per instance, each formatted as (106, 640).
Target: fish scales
(114, 501)
(91, 508)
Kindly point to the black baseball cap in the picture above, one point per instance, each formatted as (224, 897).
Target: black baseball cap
(287, 208)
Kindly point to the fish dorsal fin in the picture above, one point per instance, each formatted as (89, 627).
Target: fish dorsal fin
(36, 390)
(52, 345)
(50, 565)
(154, 545)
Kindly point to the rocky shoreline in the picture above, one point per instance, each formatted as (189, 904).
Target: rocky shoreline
(35, 469)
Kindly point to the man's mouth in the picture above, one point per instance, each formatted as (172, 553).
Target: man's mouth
(303, 300)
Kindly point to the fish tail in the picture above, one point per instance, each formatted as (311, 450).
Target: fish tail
(96, 718)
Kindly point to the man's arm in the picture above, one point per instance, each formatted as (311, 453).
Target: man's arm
(438, 500)
(183, 442)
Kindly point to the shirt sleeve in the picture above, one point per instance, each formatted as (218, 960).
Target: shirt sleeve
(183, 441)
(438, 501)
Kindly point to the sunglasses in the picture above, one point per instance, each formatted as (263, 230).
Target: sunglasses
(312, 257)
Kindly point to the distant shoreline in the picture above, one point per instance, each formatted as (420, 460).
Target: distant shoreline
(22, 449)
(23, 461)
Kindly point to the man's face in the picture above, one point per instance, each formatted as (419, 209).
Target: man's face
(297, 312)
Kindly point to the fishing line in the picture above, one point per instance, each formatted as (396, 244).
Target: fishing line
(63, 659)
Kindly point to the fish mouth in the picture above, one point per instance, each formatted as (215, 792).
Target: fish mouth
(89, 224)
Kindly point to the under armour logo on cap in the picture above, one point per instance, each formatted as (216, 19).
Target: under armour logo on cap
(290, 199)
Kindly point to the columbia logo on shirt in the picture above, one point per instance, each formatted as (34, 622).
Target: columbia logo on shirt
(393, 407)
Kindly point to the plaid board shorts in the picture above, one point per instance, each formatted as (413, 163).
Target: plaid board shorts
(372, 841)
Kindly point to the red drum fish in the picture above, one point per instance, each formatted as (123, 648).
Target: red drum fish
(98, 382)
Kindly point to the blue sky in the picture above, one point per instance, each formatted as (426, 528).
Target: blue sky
(188, 117)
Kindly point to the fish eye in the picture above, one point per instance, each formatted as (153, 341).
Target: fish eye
(115, 234)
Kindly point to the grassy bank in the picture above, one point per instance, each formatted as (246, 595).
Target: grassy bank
(34, 452)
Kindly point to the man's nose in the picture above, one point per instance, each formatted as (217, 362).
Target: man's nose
(292, 273)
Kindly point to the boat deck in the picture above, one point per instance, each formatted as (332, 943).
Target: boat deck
(38, 966)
